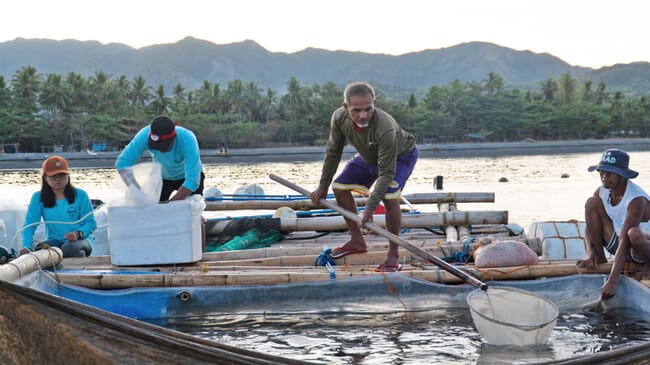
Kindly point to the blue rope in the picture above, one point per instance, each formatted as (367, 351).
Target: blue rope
(462, 256)
(325, 258)
(331, 270)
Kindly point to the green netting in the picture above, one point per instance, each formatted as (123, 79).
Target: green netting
(253, 238)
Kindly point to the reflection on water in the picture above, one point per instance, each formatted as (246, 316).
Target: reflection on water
(426, 337)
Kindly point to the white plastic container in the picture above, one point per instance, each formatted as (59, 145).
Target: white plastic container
(560, 240)
(156, 234)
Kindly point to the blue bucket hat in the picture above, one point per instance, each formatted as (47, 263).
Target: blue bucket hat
(615, 161)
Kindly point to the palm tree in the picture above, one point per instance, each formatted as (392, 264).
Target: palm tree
(78, 92)
(268, 104)
(54, 95)
(179, 98)
(5, 93)
(549, 89)
(494, 84)
(140, 93)
(98, 90)
(567, 87)
(293, 99)
(25, 85)
(234, 95)
(160, 103)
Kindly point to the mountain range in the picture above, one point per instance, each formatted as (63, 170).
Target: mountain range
(192, 61)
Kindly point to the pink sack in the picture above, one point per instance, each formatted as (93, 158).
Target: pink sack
(504, 253)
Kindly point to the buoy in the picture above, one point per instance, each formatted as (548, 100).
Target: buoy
(212, 192)
(285, 212)
(252, 189)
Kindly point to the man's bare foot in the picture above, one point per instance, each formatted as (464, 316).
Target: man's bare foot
(390, 265)
(349, 248)
(590, 263)
(355, 245)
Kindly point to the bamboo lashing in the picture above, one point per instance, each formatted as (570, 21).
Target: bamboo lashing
(29, 263)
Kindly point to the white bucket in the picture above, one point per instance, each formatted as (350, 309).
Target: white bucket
(508, 316)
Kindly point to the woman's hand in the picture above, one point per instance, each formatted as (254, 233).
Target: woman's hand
(73, 236)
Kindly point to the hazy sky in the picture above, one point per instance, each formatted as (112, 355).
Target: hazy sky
(591, 33)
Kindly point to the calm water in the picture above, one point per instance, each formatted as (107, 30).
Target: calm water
(535, 190)
(439, 337)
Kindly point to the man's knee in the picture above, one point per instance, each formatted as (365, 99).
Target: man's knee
(636, 236)
(593, 203)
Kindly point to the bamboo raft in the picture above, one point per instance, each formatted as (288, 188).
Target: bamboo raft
(292, 260)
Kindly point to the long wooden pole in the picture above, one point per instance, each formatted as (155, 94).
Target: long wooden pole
(390, 236)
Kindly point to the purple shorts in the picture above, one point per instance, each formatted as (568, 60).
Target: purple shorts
(359, 176)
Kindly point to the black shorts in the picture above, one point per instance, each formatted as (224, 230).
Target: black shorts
(168, 186)
(612, 246)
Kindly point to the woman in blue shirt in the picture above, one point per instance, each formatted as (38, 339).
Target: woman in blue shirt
(66, 211)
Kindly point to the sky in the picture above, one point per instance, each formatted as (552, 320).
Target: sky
(589, 33)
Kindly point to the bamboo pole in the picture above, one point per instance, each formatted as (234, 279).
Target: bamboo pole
(29, 263)
(337, 223)
(450, 231)
(420, 198)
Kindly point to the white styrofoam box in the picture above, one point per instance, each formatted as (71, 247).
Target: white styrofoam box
(156, 233)
(561, 240)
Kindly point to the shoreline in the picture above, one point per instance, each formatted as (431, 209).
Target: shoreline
(21, 161)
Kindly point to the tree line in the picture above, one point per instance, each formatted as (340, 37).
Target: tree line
(77, 112)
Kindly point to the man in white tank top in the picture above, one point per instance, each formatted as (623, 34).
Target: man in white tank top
(616, 219)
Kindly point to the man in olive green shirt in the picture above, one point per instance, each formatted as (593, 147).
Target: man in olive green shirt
(386, 157)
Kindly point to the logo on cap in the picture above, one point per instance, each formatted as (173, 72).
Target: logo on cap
(607, 157)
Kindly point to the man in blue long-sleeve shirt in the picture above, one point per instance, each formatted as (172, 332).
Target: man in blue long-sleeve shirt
(177, 151)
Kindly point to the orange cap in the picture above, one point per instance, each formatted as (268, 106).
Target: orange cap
(55, 165)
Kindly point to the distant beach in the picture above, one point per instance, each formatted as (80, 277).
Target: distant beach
(20, 160)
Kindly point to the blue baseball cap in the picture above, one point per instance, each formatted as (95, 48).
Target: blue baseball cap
(615, 161)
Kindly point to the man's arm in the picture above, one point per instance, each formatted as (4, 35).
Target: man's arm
(333, 153)
(130, 155)
(635, 212)
(193, 166)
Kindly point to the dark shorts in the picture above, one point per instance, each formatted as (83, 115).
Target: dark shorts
(359, 176)
(612, 245)
(168, 187)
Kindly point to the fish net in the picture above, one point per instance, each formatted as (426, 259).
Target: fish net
(508, 316)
